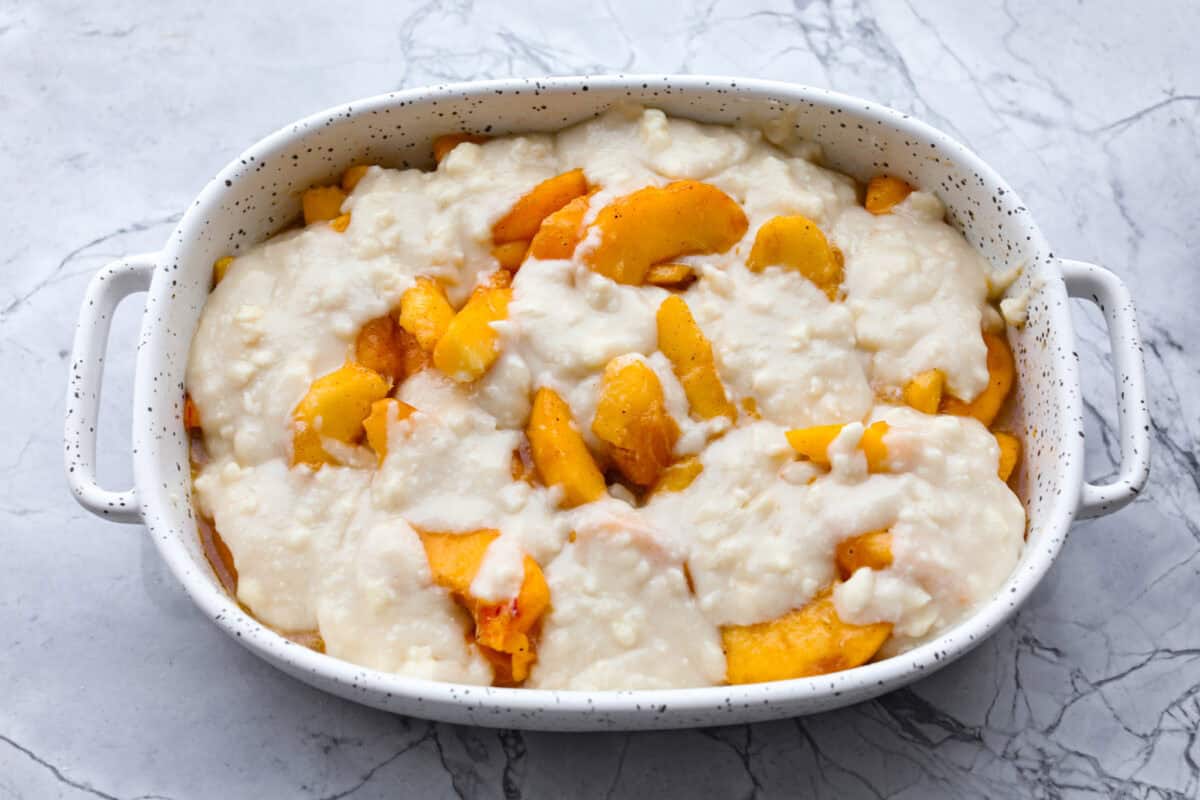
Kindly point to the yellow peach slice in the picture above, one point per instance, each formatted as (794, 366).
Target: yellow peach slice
(671, 276)
(924, 391)
(377, 347)
(442, 145)
(220, 267)
(796, 242)
(1010, 454)
(500, 627)
(690, 353)
(679, 475)
(527, 214)
(559, 452)
(632, 418)
(352, 176)
(510, 254)
(560, 232)
(470, 344)
(506, 626)
(322, 203)
(334, 407)
(425, 312)
(812, 640)
(884, 192)
(1001, 373)
(813, 443)
(873, 549)
(658, 224)
(383, 412)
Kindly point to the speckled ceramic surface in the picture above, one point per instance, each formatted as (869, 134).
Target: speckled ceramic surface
(256, 195)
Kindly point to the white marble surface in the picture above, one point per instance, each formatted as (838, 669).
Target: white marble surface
(113, 115)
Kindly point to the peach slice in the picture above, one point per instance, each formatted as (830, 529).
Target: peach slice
(500, 627)
(510, 255)
(924, 391)
(632, 418)
(352, 176)
(334, 407)
(679, 475)
(559, 452)
(671, 276)
(471, 345)
(220, 268)
(442, 145)
(1001, 373)
(425, 312)
(812, 640)
(690, 353)
(1010, 454)
(378, 347)
(322, 203)
(885, 192)
(796, 242)
(873, 549)
(658, 224)
(527, 214)
(813, 443)
(560, 232)
(191, 414)
(376, 424)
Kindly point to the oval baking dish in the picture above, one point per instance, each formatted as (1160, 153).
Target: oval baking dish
(258, 194)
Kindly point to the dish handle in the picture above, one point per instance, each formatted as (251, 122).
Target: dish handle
(105, 292)
(1090, 282)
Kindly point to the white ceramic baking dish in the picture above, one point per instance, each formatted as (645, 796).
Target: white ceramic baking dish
(257, 194)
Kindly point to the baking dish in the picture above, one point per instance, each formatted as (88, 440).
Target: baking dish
(258, 193)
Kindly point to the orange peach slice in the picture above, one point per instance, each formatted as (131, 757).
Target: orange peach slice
(526, 216)
(559, 452)
(924, 391)
(813, 443)
(471, 345)
(679, 475)
(383, 412)
(1010, 454)
(442, 145)
(334, 407)
(885, 192)
(796, 242)
(352, 176)
(560, 232)
(873, 549)
(322, 203)
(500, 627)
(378, 348)
(220, 268)
(690, 353)
(191, 414)
(425, 312)
(658, 224)
(1001, 373)
(510, 255)
(671, 276)
(812, 640)
(632, 418)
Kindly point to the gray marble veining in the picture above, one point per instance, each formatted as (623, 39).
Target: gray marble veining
(112, 116)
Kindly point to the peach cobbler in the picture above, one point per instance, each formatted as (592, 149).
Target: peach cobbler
(645, 403)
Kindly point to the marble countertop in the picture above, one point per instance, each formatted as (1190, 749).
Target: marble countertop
(112, 117)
